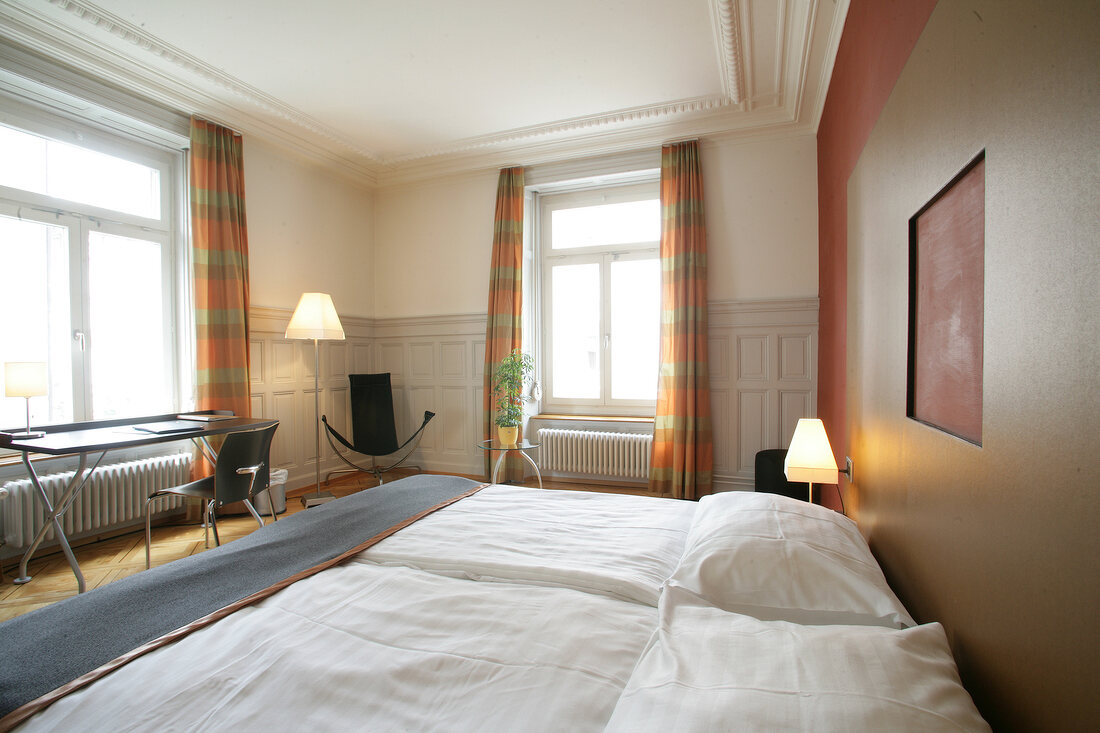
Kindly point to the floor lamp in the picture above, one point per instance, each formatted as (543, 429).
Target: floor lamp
(315, 318)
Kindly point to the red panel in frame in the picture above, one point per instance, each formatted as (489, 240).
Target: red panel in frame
(946, 306)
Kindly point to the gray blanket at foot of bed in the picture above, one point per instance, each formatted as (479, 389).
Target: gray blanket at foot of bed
(52, 646)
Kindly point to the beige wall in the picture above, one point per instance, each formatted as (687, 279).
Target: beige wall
(999, 542)
(308, 230)
(761, 207)
(432, 245)
(433, 241)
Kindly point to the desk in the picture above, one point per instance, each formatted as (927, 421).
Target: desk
(100, 436)
(520, 447)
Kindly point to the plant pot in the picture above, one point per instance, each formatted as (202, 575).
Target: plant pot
(507, 435)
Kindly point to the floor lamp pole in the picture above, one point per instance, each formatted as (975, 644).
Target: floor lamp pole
(318, 497)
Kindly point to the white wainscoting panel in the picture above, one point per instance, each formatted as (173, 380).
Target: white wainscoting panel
(763, 371)
(436, 363)
(763, 355)
(282, 388)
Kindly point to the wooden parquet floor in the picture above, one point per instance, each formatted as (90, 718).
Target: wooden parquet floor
(106, 560)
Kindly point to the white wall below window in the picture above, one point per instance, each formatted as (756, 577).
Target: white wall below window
(763, 366)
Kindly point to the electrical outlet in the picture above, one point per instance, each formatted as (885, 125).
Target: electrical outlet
(849, 470)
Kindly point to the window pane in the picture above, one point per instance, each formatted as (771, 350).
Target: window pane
(34, 278)
(575, 341)
(629, 222)
(130, 373)
(635, 328)
(24, 159)
(83, 175)
(33, 163)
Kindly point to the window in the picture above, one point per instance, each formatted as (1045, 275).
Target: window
(91, 271)
(600, 293)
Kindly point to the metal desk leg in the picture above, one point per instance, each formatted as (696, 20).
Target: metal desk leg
(53, 516)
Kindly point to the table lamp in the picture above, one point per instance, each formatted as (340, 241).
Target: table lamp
(810, 457)
(315, 318)
(26, 379)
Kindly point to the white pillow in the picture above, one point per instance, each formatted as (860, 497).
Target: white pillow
(773, 557)
(706, 670)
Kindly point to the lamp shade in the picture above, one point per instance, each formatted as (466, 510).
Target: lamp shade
(315, 318)
(25, 379)
(810, 457)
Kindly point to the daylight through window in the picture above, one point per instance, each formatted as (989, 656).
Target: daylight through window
(89, 273)
(601, 287)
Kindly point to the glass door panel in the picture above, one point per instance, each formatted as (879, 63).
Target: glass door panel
(130, 366)
(37, 326)
(575, 331)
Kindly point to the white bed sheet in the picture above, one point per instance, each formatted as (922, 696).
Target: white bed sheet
(365, 647)
(619, 545)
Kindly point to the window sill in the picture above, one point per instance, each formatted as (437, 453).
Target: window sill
(595, 418)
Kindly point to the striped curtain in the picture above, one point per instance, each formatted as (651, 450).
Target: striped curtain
(220, 245)
(683, 454)
(504, 329)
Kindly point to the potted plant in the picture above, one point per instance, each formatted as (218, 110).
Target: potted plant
(510, 375)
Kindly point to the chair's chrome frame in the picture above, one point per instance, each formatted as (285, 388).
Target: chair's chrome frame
(209, 519)
(402, 453)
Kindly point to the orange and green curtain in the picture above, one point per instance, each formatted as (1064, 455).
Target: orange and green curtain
(504, 328)
(683, 453)
(220, 246)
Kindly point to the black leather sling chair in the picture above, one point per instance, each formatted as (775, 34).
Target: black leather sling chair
(373, 430)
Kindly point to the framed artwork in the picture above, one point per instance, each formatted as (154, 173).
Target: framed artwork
(947, 305)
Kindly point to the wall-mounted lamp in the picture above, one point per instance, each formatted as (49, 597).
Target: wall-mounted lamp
(26, 379)
(810, 457)
(315, 318)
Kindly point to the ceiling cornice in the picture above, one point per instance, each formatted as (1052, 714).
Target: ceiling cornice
(726, 17)
(163, 72)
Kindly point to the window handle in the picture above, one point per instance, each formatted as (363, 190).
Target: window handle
(78, 337)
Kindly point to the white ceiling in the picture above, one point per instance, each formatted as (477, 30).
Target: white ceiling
(389, 90)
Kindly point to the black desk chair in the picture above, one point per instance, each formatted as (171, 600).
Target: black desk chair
(241, 472)
(373, 430)
(770, 478)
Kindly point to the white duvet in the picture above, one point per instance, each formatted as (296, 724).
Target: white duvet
(619, 545)
(363, 647)
(526, 610)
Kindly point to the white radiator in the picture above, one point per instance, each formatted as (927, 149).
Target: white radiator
(617, 455)
(114, 497)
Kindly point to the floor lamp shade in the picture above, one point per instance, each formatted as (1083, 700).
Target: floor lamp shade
(810, 457)
(315, 318)
(26, 379)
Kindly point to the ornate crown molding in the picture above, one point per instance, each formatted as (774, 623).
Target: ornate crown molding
(148, 43)
(728, 30)
(161, 72)
(727, 26)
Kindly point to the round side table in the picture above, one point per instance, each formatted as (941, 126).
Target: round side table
(495, 445)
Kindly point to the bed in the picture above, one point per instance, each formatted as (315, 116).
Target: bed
(506, 608)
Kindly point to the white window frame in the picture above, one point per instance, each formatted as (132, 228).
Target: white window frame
(562, 197)
(169, 230)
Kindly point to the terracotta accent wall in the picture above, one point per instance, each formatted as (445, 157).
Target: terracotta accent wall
(999, 542)
(878, 37)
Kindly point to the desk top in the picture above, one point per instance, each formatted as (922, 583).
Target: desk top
(97, 435)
